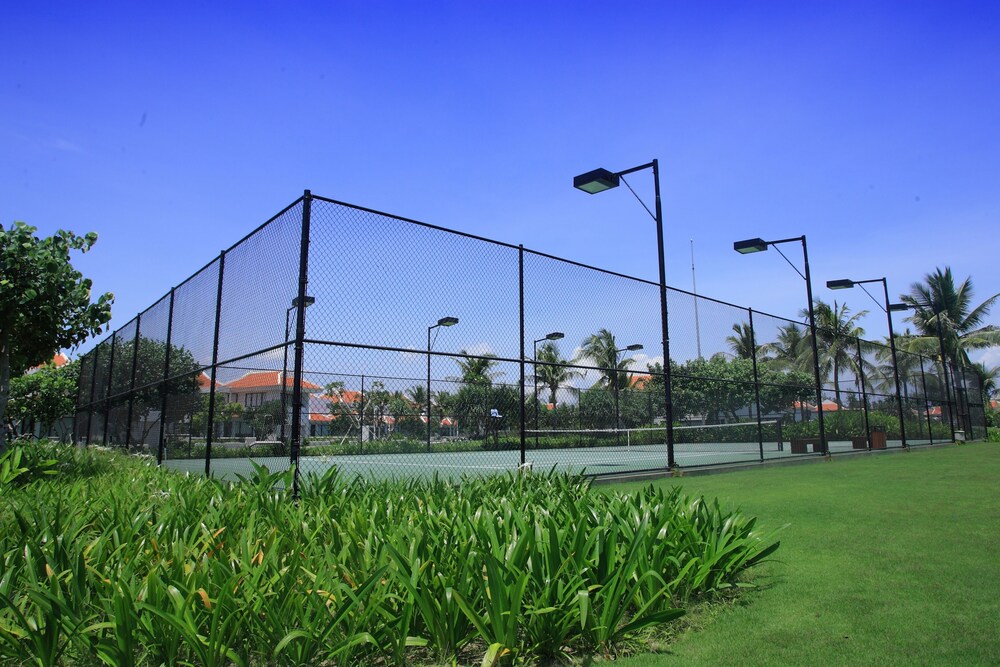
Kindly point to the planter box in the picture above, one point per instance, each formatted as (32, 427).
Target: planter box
(859, 442)
(878, 439)
(801, 445)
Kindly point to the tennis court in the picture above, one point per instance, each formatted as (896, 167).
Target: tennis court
(453, 465)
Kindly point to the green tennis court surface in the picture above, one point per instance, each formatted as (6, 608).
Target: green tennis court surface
(588, 460)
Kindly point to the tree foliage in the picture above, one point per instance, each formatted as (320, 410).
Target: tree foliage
(45, 303)
(553, 372)
(42, 397)
(602, 350)
(941, 306)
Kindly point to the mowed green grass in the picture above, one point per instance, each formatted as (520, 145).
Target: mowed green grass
(886, 560)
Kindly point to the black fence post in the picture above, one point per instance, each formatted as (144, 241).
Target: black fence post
(107, 394)
(161, 446)
(927, 409)
(963, 405)
(864, 395)
(131, 385)
(93, 389)
(300, 333)
(215, 366)
(756, 383)
(520, 285)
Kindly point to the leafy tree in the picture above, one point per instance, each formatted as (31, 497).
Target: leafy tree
(718, 388)
(939, 302)
(474, 401)
(44, 302)
(264, 419)
(42, 397)
(146, 393)
(197, 407)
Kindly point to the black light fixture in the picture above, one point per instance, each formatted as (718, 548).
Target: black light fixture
(555, 335)
(443, 322)
(750, 245)
(846, 283)
(596, 181)
(600, 180)
(306, 301)
(635, 347)
(901, 307)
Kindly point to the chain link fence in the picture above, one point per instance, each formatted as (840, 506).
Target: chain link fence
(335, 336)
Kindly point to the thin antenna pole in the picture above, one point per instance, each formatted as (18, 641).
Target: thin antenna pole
(694, 291)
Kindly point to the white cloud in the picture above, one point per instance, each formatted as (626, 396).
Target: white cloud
(64, 145)
(990, 357)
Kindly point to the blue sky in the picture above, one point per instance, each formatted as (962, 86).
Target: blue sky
(174, 129)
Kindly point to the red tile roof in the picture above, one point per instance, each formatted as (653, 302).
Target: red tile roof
(204, 382)
(344, 396)
(639, 381)
(268, 380)
(59, 360)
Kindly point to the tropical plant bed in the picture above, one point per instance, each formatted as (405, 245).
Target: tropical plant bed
(116, 560)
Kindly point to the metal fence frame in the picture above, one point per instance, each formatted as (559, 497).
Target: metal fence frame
(115, 375)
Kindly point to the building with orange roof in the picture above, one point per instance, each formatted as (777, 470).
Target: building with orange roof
(258, 387)
(59, 360)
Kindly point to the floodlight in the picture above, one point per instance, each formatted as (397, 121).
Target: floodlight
(750, 245)
(596, 181)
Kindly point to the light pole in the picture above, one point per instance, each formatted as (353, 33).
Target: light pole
(630, 348)
(848, 284)
(306, 302)
(555, 335)
(600, 180)
(900, 307)
(443, 322)
(759, 245)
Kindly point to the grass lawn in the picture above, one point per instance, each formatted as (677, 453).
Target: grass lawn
(886, 559)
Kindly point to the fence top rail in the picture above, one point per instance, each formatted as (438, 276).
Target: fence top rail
(447, 230)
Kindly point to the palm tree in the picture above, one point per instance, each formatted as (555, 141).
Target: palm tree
(477, 370)
(938, 302)
(837, 332)
(417, 395)
(742, 343)
(556, 375)
(791, 350)
(602, 349)
(988, 379)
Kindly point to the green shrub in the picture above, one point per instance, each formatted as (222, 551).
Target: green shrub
(150, 567)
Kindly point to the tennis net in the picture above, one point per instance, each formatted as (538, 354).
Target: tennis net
(739, 437)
